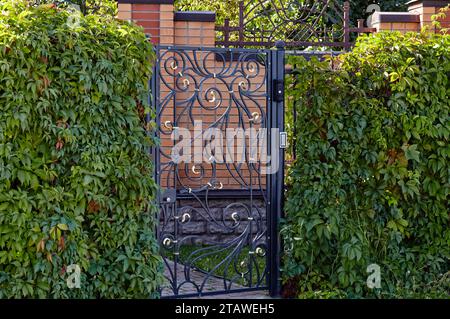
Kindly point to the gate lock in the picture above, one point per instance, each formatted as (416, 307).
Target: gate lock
(278, 90)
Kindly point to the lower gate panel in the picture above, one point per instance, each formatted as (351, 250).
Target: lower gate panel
(219, 249)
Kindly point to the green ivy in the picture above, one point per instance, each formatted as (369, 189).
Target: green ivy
(76, 181)
(103, 7)
(371, 181)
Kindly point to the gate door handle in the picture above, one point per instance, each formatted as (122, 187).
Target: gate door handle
(283, 140)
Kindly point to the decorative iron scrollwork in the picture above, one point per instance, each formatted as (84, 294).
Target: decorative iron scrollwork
(227, 89)
(298, 23)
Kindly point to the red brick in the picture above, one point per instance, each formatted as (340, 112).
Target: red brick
(145, 7)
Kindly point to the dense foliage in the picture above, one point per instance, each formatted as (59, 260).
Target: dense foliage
(76, 181)
(371, 182)
(104, 7)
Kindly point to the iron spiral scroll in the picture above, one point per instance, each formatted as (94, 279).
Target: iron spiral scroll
(227, 89)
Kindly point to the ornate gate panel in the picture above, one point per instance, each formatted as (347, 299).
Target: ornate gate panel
(219, 202)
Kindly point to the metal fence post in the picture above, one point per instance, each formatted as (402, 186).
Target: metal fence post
(277, 179)
(153, 102)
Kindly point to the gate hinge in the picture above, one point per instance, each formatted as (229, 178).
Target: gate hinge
(283, 140)
(278, 90)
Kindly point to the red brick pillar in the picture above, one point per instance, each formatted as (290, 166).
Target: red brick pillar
(426, 9)
(155, 16)
(396, 21)
(195, 28)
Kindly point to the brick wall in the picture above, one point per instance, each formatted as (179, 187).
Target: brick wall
(195, 28)
(396, 21)
(419, 16)
(155, 16)
(166, 27)
(445, 23)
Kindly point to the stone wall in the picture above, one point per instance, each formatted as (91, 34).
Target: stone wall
(225, 221)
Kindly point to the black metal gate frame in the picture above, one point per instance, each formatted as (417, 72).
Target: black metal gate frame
(275, 182)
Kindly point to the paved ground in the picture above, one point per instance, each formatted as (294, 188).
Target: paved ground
(212, 284)
(260, 294)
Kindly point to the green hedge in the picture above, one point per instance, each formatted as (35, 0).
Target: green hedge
(371, 182)
(76, 181)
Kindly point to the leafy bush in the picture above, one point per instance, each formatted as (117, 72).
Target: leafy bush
(105, 7)
(372, 178)
(76, 181)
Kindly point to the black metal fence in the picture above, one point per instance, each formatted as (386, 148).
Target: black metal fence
(300, 24)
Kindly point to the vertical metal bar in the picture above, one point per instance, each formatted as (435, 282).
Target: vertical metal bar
(176, 247)
(277, 179)
(346, 24)
(280, 177)
(269, 66)
(241, 23)
(226, 33)
(361, 23)
(293, 148)
(154, 103)
(270, 206)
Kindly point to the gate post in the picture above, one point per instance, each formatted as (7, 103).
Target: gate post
(153, 99)
(277, 179)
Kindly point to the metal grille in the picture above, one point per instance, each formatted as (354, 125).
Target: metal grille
(299, 23)
(218, 217)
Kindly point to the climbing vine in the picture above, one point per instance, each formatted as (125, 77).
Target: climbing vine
(370, 184)
(76, 186)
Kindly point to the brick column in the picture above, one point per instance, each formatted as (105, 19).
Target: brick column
(419, 15)
(155, 16)
(396, 21)
(426, 9)
(195, 28)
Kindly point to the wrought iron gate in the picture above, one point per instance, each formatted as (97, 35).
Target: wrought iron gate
(218, 216)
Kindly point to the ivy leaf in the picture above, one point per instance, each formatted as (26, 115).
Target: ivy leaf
(63, 226)
(22, 176)
(76, 88)
(87, 180)
(411, 152)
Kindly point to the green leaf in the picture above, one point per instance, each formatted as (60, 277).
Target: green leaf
(87, 180)
(63, 227)
(411, 153)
